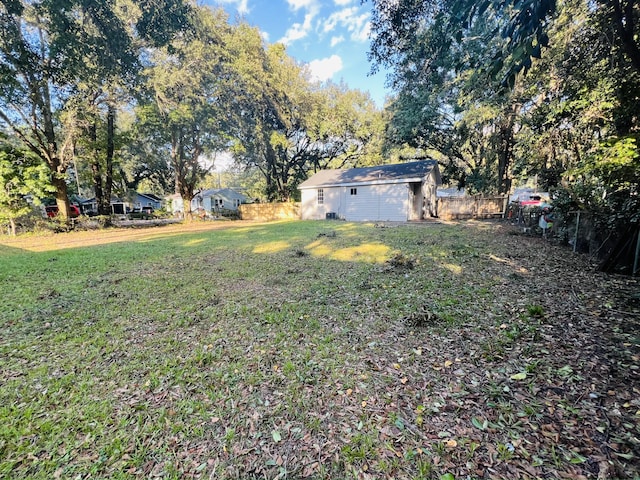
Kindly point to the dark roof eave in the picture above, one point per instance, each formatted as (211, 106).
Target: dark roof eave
(385, 181)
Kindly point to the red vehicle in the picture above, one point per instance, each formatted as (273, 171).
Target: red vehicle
(52, 211)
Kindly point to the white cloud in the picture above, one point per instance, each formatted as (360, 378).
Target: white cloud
(356, 23)
(362, 34)
(342, 3)
(298, 4)
(336, 40)
(301, 30)
(241, 5)
(298, 30)
(264, 35)
(325, 68)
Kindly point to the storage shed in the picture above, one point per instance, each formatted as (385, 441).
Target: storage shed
(397, 192)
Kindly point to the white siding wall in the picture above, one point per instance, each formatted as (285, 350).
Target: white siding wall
(177, 205)
(309, 209)
(370, 203)
(332, 203)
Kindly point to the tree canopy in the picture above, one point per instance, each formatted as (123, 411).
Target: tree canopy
(49, 50)
(128, 91)
(501, 91)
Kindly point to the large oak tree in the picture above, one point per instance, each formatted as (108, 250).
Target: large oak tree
(47, 48)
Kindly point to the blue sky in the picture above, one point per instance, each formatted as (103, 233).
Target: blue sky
(331, 36)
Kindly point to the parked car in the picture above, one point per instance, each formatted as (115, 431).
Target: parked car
(144, 213)
(52, 211)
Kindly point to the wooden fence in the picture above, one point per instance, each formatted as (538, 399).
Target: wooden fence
(265, 212)
(448, 208)
(471, 207)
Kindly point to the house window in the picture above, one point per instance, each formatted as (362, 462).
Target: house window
(354, 191)
(320, 196)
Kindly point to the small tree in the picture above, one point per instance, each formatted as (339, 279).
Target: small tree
(21, 173)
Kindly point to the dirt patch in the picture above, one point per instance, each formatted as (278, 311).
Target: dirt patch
(125, 231)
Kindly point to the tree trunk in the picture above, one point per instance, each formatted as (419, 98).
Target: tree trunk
(623, 19)
(504, 159)
(506, 151)
(96, 169)
(111, 132)
(181, 183)
(62, 199)
(270, 177)
(186, 202)
(58, 169)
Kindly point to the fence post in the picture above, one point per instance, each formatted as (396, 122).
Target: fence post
(637, 259)
(575, 239)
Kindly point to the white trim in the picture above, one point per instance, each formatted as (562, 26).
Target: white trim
(359, 184)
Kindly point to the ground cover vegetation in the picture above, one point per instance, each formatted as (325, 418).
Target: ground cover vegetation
(315, 350)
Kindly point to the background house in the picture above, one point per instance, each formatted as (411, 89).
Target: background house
(210, 201)
(398, 192)
(213, 200)
(119, 206)
(142, 200)
(88, 206)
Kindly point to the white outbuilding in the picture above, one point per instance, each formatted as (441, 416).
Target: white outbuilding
(398, 192)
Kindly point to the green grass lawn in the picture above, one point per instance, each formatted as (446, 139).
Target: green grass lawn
(325, 350)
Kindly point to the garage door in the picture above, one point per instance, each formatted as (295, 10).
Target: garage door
(377, 203)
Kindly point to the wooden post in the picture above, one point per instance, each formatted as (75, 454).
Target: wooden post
(575, 239)
(637, 258)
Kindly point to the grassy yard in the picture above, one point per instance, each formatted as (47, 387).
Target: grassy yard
(322, 350)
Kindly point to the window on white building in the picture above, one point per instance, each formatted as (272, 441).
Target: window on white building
(320, 196)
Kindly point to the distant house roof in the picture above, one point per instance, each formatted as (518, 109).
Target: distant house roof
(395, 173)
(153, 197)
(451, 192)
(221, 192)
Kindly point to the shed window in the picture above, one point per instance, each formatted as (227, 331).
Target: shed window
(354, 191)
(320, 196)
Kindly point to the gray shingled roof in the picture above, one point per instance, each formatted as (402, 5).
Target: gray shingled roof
(383, 173)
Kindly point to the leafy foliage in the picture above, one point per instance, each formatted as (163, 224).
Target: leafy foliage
(398, 28)
(449, 108)
(22, 174)
(561, 122)
(606, 183)
(287, 126)
(189, 85)
(51, 50)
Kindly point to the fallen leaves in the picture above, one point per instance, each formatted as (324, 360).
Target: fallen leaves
(520, 367)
